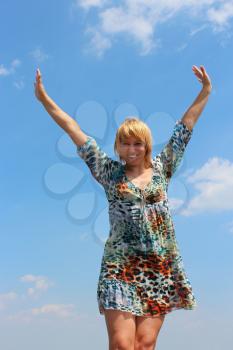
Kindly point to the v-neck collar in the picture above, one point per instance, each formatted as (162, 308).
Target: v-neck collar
(135, 186)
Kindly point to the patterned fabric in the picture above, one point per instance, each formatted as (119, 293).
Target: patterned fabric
(141, 271)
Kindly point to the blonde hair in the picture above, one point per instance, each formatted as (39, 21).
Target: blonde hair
(137, 128)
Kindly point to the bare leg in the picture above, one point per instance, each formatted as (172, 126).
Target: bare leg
(121, 328)
(147, 330)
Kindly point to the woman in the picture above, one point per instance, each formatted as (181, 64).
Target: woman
(142, 276)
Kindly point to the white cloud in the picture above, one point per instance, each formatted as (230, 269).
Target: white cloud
(175, 203)
(15, 63)
(138, 19)
(99, 42)
(118, 21)
(197, 30)
(214, 184)
(221, 16)
(60, 310)
(11, 70)
(39, 55)
(6, 298)
(41, 284)
(19, 84)
(48, 311)
(4, 70)
(181, 47)
(229, 226)
(87, 4)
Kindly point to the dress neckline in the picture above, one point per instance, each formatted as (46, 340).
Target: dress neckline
(135, 186)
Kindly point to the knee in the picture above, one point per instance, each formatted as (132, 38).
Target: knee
(147, 342)
(121, 342)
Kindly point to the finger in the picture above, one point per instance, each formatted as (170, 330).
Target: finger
(195, 68)
(198, 75)
(199, 71)
(38, 73)
(203, 70)
(39, 78)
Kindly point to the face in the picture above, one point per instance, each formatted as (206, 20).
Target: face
(132, 150)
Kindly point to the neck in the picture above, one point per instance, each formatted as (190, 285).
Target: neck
(136, 169)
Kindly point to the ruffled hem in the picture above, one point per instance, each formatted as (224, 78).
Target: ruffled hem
(102, 308)
(118, 295)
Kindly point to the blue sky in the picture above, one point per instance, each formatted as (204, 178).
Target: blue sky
(102, 61)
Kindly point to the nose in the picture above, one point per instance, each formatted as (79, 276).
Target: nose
(132, 146)
(131, 150)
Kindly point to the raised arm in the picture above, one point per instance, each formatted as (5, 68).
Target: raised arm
(60, 117)
(194, 111)
(101, 166)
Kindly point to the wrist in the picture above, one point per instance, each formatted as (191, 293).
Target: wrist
(43, 96)
(207, 89)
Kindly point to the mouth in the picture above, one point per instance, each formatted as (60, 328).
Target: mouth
(132, 157)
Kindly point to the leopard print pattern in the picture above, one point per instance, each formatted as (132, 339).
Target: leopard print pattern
(142, 270)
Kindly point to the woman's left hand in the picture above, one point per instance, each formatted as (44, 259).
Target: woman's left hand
(203, 77)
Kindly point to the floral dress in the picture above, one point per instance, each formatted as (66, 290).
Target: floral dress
(142, 271)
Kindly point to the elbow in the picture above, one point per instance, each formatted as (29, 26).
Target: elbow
(71, 127)
(188, 122)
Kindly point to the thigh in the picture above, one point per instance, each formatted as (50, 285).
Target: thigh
(120, 323)
(148, 326)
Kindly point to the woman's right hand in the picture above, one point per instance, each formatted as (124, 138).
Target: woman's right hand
(39, 87)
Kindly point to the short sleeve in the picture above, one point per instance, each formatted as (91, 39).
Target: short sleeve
(100, 165)
(172, 154)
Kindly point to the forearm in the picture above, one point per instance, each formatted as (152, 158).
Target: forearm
(59, 116)
(194, 111)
